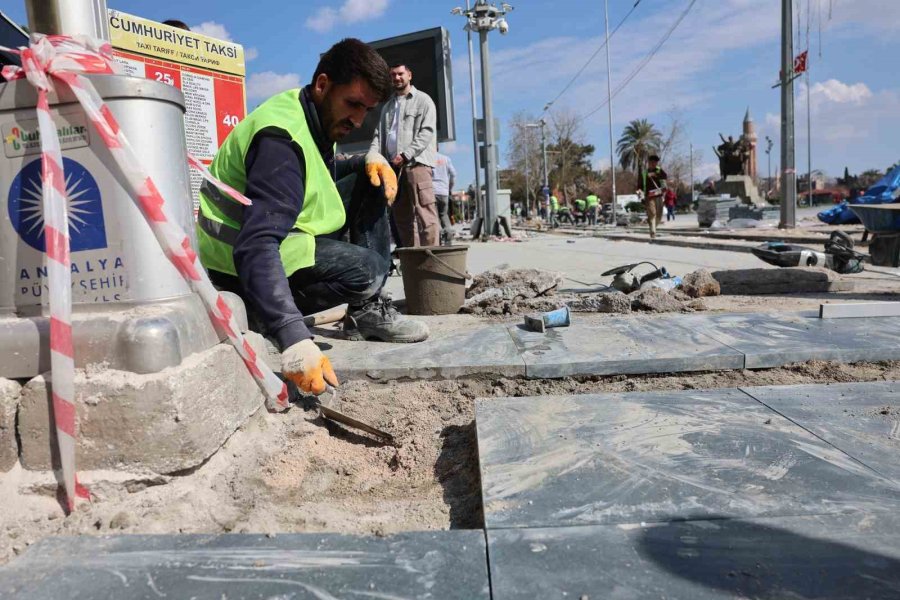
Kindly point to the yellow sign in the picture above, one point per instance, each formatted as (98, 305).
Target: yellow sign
(143, 36)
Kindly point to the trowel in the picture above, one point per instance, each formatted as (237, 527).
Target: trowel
(330, 408)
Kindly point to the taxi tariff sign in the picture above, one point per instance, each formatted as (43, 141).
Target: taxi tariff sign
(209, 72)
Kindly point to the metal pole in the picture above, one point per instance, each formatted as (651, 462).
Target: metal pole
(490, 166)
(808, 143)
(546, 172)
(692, 173)
(612, 154)
(478, 201)
(68, 17)
(527, 177)
(788, 171)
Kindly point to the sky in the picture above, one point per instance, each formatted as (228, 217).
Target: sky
(722, 59)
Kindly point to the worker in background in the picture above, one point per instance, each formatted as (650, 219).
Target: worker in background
(554, 211)
(407, 136)
(564, 215)
(593, 203)
(580, 208)
(284, 254)
(444, 176)
(652, 183)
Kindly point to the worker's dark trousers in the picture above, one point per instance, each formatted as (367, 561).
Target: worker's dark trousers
(351, 264)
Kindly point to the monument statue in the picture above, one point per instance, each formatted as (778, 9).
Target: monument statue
(737, 164)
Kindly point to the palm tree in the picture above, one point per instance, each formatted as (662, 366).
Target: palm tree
(639, 140)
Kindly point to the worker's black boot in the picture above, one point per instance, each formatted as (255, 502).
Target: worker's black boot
(377, 319)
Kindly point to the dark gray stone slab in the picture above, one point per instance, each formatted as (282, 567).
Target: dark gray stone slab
(622, 346)
(625, 458)
(448, 564)
(862, 419)
(776, 339)
(823, 557)
(483, 350)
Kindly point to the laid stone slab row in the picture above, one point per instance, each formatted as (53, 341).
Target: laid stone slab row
(628, 345)
(823, 556)
(484, 350)
(660, 456)
(775, 339)
(444, 564)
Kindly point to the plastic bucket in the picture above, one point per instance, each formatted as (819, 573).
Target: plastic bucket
(434, 279)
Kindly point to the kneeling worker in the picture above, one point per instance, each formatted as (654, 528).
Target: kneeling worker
(284, 255)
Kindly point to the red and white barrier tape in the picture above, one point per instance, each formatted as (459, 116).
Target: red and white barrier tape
(64, 59)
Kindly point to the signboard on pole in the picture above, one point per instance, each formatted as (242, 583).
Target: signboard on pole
(209, 72)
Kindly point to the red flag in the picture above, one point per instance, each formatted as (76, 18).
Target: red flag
(800, 62)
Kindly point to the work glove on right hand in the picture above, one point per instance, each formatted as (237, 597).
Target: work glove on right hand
(380, 172)
(306, 366)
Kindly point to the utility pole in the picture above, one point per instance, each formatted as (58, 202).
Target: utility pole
(483, 18)
(546, 172)
(692, 173)
(527, 177)
(769, 144)
(479, 203)
(612, 153)
(788, 167)
(808, 143)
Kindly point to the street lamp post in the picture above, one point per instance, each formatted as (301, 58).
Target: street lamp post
(769, 144)
(546, 186)
(478, 198)
(527, 178)
(483, 18)
(612, 154)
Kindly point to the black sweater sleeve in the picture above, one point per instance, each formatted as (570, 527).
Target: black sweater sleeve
(275, 184)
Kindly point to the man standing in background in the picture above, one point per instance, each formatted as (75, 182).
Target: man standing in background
(406, 136)
(652, 183)
(444, 176)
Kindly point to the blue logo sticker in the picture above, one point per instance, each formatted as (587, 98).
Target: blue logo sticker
(87, 230)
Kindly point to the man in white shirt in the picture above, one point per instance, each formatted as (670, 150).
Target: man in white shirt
(407, 136)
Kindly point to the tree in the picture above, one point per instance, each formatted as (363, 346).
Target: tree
(869, 177)
(639, 140)
(526, 141)
(570, 156)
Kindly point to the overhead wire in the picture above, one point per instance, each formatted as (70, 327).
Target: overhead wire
(645, 61)
(591, 58)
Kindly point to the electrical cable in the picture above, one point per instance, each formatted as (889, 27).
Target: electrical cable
(592, 57)
(645, 61)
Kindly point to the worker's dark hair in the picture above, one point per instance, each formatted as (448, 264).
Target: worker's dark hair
(176, 23)
(653, 157)
(400, 63)
(350, 58)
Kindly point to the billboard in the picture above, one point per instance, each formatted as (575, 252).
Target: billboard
(427, 54)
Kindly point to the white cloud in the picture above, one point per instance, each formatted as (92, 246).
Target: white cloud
(213, 30)
(250, 54)
(841, 93)
(325, 18)
(268, 83)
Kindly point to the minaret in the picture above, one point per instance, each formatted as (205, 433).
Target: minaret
(750, 137)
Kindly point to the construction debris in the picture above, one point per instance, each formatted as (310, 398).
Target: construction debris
(656, 300)
(611, 302)
(700, 284)
(512, 291)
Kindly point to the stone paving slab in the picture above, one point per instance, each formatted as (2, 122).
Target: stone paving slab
(625, 458)
(823, 557)
(862, 419)
(447, 564)
(622, 346)
(487, 349)
(775, 339)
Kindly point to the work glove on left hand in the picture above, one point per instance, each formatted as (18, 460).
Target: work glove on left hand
(309, 369)
(380, 172)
